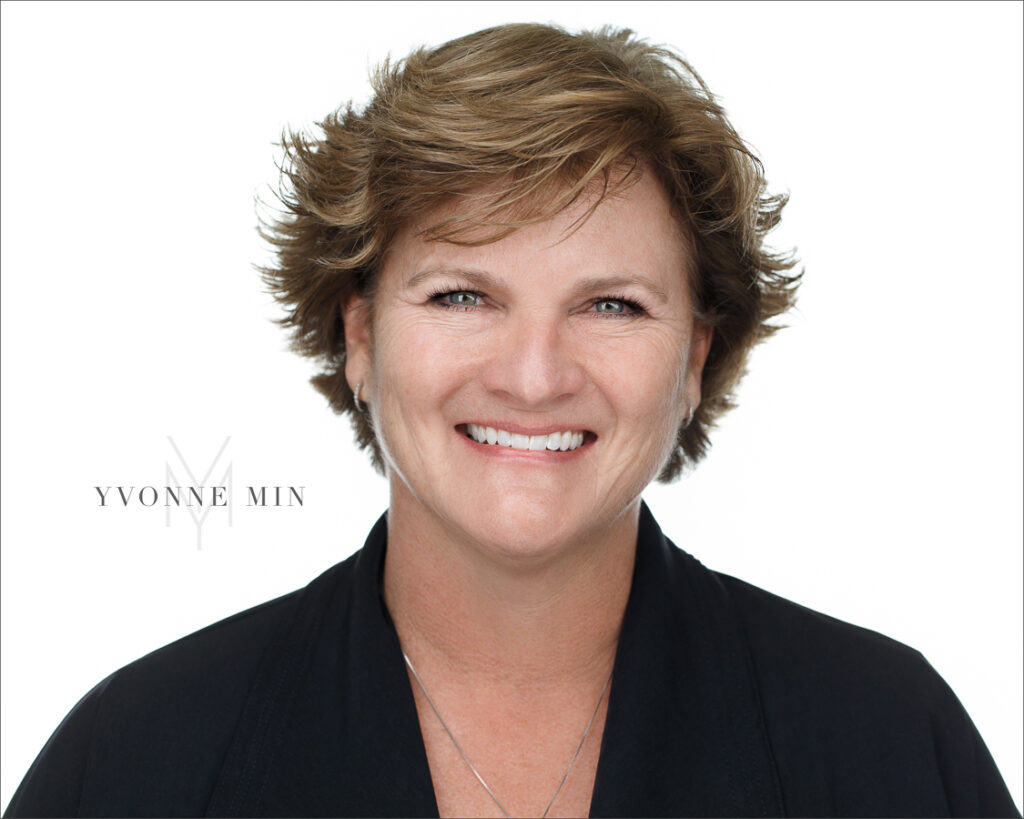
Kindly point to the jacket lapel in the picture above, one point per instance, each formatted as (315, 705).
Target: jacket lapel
(330, 727)
(684, 734)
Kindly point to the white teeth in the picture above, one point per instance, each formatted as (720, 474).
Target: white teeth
(556, 441)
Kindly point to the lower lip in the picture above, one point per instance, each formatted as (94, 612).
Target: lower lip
(528, 455)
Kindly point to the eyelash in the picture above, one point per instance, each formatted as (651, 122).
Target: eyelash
(438, 297)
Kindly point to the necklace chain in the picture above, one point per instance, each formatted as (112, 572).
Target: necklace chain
(472, 767)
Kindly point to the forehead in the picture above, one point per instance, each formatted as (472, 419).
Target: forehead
(633, 228)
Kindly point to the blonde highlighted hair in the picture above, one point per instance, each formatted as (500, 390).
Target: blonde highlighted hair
(544, 115)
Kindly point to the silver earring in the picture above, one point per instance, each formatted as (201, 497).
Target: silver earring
(355, 396)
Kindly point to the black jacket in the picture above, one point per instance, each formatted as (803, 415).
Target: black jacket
(726, 701)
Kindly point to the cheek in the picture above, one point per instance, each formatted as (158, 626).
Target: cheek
(648, 382)
(417, 368)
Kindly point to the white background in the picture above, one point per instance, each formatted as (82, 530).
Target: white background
(872, 471)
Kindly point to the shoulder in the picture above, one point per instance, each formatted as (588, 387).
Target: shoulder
(211, 669)
(219, 651)
(816, 673)
(155, 732)
(859, 722)
(796, 641)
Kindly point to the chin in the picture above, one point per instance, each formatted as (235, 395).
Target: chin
(527, 532)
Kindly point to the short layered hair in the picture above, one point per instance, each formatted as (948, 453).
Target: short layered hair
(543, 116)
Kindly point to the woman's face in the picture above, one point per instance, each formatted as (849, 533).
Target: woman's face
(525, 392)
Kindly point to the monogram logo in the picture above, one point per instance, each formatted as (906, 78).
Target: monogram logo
(216, 497)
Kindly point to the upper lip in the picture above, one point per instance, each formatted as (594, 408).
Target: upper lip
(519, 429)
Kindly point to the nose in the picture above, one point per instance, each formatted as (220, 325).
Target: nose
(532, 363)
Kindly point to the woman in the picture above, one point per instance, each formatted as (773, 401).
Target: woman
(533, 268)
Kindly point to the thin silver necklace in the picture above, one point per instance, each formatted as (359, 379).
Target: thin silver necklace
(472, 767)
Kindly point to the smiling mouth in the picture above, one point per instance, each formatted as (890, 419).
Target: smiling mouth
(554, 442)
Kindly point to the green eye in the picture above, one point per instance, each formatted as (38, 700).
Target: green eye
(462, 298)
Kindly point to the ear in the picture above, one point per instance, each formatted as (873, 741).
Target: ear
(700, 346)
(355, 314)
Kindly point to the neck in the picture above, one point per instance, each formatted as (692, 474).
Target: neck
(551, 619)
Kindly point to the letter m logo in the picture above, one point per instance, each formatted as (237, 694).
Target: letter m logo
(199, 513)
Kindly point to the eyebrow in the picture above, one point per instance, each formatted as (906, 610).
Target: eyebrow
(478, 278)
(589, 285)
